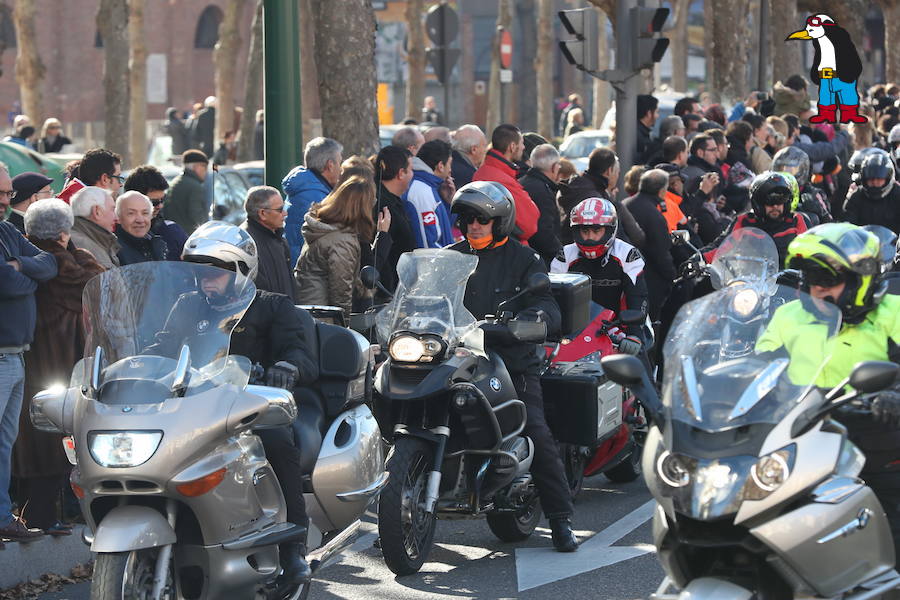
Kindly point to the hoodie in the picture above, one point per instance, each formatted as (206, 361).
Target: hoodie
(303, 187)
(428, 213)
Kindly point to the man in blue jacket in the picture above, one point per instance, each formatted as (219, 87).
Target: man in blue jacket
(306, 185)
(428, 212)
(22, 267)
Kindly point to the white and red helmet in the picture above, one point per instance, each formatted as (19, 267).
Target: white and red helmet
(594, 212)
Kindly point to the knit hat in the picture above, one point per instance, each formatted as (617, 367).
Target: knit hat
(194, 156)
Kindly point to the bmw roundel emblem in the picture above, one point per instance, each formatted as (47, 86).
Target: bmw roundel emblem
(495, 384)
(202, 325)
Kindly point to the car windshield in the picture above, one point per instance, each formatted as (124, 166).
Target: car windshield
(739, 356)
(582, 145)
(429, 297)
(144, 317)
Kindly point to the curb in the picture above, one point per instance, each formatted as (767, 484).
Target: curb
(23, 562)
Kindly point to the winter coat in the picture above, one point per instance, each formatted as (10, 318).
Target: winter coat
(587, 186)
(186, 202)
(428, 213)
(174, 127)
(172, 233)
(46, 145)
(543, 191)
(304, 187)
(17, 288)
(660, 272)
(860, 209)
(103, 244)
(401, 237)
(461, 169)
(789, 101)
(59, 339)
(498, 169)
(17, 219)
(328, 268)
(203, 130)
(760, 161)
(137, 250)
(274, 273)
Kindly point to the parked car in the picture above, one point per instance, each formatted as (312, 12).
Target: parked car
(19, 159)
(229, 190)
(254, 171)
(578, 146)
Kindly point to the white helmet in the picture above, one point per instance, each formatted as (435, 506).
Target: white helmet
(894, 135)
(222, 245)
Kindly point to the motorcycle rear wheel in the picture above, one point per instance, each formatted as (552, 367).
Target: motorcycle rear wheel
(127, 576)
(516, 526)
(629, 469)
(405, 529)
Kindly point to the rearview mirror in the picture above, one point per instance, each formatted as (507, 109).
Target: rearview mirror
(680, 236)
(873, 376)
(369, 276)
(631, 316)
(539, 283)
(281, 409)
(623, 369)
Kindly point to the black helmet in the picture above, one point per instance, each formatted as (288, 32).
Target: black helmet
(793, 160)
(856, 161)
(877, 166)
(489, 200)
(770, 188)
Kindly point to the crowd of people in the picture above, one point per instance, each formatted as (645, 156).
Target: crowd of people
(763, 166)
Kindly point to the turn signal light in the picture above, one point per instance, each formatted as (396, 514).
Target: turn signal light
(77, 490)
(198, 487)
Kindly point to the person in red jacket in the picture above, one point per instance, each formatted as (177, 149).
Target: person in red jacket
(507, 145)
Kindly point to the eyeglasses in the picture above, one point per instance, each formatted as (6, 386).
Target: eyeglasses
(121, 178)
(713, 149)
(45, 193)
(471, 218)
(282, 209)
(157, 201)
(8, 194)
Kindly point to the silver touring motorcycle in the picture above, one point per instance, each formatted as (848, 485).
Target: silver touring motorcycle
(757, 488)
(179, 499)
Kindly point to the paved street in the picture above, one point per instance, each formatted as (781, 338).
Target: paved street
(469, 562)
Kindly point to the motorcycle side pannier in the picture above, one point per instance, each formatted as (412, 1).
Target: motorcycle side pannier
(582, 406)
(572, 292)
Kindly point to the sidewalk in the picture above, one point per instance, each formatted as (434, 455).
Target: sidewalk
(23, 562)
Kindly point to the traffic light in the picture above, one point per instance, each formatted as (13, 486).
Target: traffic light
(647, 46)
(582, 51)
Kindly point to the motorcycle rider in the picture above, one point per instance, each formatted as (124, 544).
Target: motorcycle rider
(271, 334)
(616, 268)
(486, 215)
(877, 200)
(813, 201)
(840, 264)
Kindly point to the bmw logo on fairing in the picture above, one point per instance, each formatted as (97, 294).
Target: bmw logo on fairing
(495, 384)
(202, 325)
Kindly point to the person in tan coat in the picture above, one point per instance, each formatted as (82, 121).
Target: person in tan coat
(327, 271)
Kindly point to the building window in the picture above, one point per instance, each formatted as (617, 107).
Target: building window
(98, 40)
(7, 27)
(208, 27)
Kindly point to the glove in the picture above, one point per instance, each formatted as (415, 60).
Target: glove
(282, 375)
(630, 345)
(886, 408)
(531, 314)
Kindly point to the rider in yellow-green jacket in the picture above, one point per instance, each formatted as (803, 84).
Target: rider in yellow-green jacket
(841, 264)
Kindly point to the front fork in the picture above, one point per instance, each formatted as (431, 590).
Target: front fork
(432, 491)
(165, 555)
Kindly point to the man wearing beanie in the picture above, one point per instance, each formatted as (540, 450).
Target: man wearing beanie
(29, 188)
(186, 204)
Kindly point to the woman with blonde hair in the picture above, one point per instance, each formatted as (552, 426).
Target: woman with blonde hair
(328, 268)
(52, 138)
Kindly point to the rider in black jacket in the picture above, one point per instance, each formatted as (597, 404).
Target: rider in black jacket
(486, 216)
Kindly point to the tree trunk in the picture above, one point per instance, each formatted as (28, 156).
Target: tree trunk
(245, 149)
(346, 73)
(728, 53)
(525, 85)
(891, 11)
(601, 88)
(30, 70)
(137, 66)
(543, 66)
(495, 109)
(787, 59)
(309, 80)
(679, 45)
(415, 58)
(225, 61)
(112, 22)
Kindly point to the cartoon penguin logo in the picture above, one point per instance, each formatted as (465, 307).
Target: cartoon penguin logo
(836, 68)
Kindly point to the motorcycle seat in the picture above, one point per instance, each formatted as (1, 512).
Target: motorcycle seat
(309, 427)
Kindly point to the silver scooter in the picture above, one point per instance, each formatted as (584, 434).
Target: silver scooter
(175, 488)
(758, 491)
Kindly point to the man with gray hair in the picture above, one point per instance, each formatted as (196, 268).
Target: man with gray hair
(540, 181)
(95, 222)
(135, 212)
(469, 148)
(266, 210)
(645, 206)
(408, 137)
(309, 183)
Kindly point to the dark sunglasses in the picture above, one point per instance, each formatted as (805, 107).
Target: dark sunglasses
(470, 218)
(157, 202)
(822, 277)
(776, 200)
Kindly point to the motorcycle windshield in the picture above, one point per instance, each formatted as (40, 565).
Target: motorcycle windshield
(429, 296)
(142, 316)
(738, 357)
(747, 255)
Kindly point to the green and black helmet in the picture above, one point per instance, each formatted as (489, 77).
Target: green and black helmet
(835, 253)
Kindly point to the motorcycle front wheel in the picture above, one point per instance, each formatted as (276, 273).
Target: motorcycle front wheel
(516, 526)
(405, 529)
(127, 576)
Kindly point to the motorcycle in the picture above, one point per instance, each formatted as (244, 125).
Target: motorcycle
(455, 420)
(757, 489)
(173, 483)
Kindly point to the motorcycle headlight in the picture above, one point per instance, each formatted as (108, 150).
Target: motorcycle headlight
(745, 302)
(407, 348)
(673, 470)
(121, 449)
(772, 470)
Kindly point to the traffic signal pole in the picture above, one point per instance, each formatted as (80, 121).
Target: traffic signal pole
(627, 87)
(281, 76)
